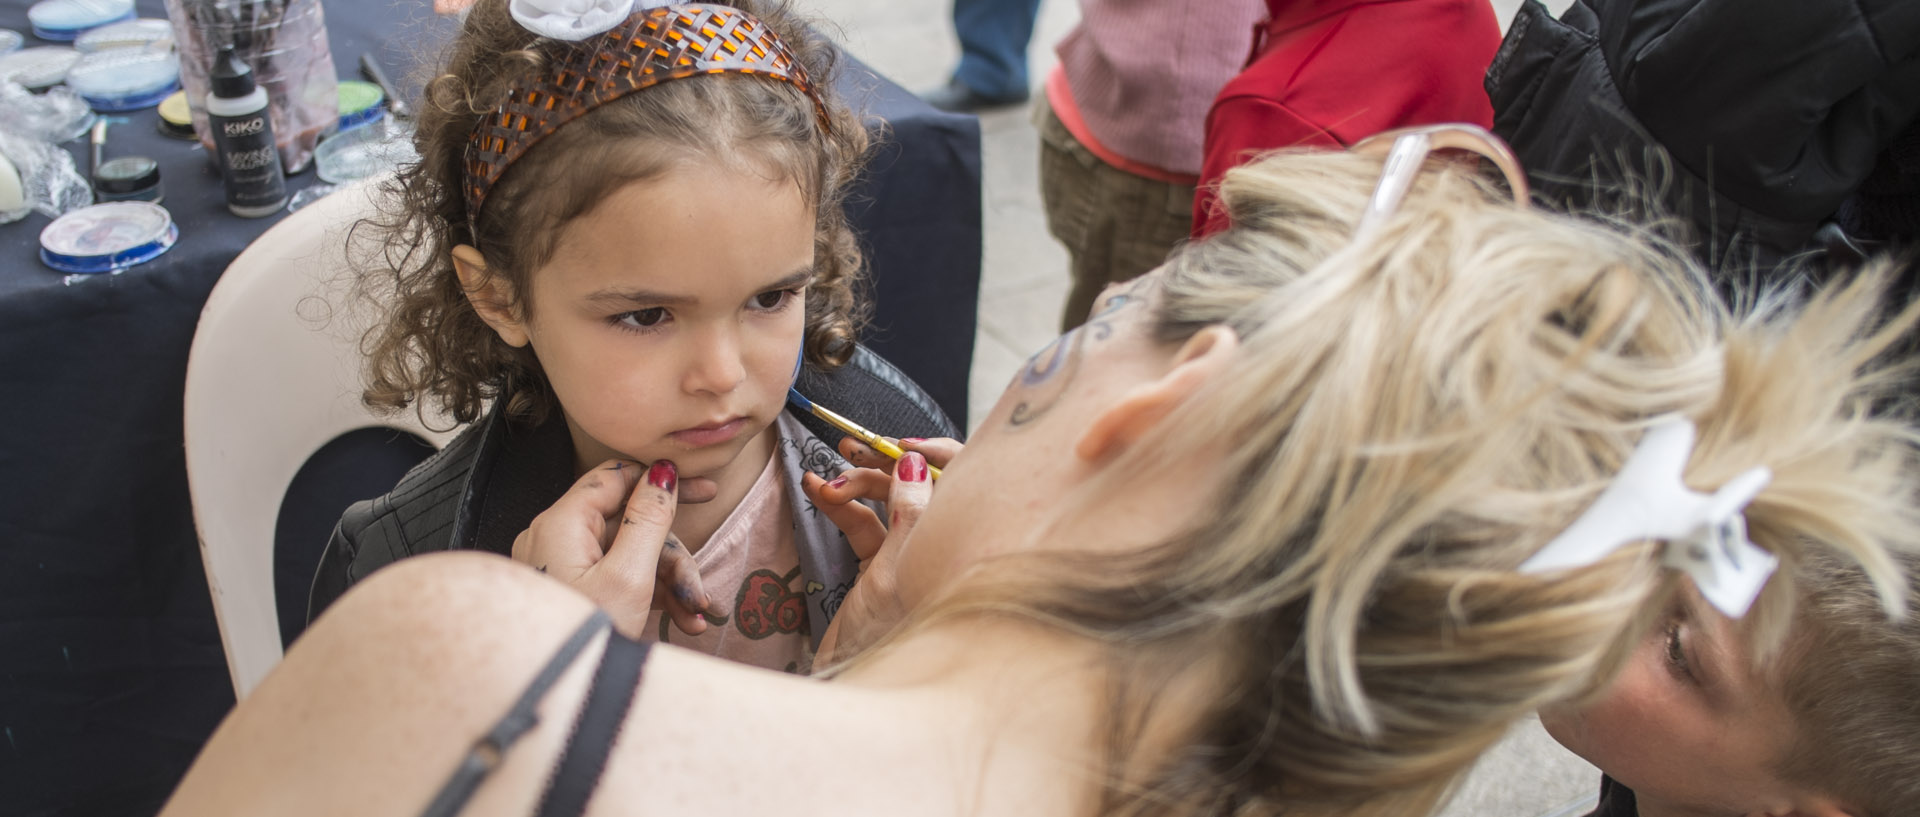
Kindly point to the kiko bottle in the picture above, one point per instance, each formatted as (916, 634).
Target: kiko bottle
(243, 136)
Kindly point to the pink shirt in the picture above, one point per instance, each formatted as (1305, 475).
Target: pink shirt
(752, 565)
(1143, 73)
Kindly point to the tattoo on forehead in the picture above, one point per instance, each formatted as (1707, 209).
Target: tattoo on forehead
(1052, 369)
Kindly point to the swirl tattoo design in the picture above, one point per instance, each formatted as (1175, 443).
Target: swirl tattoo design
(1052, 369)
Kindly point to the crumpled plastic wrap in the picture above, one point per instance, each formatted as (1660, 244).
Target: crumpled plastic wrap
(48, 180)
(53, 117)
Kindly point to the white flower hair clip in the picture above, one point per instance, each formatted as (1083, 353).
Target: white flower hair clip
(1705, 534)
(576, 20)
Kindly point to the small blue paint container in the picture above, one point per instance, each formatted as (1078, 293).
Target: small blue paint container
(64, 20)
(360, 103)
(145, 32)
(107, 237)
(125, 79)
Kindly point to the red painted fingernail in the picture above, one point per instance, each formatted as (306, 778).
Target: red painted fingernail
(663, 475)
(913, 440)
(700, 617)
(838, 482)
(912, 467)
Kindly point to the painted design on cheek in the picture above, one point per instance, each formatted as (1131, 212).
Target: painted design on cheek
(1048, 371)
(1051, 370)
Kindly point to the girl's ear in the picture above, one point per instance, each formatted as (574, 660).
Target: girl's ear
(1199, 360)
(490, 296)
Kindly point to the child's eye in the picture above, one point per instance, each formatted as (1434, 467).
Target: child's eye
(642, 318)
(776, 300)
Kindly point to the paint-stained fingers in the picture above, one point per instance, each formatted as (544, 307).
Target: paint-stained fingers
(862, 526)
(859, 483)
(569, 537)
(622, 582)
(863, 455)
(938, 450)
(678, 590)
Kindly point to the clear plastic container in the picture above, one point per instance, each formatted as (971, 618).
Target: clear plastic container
(364, 151)
(285, 43)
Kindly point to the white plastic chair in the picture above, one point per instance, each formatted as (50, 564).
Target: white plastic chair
(274, 374)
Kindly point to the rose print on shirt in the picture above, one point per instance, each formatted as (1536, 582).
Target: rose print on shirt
(768, 604)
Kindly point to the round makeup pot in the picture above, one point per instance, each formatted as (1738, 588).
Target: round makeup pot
(128, 178)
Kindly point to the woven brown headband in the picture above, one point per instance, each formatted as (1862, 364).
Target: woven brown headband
(650, 47)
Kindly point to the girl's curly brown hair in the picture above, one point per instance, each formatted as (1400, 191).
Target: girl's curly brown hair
(432, 346)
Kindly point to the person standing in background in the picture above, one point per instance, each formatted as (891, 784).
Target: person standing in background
(1328, 73)
(993, 56)
(1767, 129)
(1121, 128)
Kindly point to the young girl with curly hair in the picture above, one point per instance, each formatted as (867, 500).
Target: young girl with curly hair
(624, 239)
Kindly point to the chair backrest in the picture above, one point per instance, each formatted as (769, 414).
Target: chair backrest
(274, 375)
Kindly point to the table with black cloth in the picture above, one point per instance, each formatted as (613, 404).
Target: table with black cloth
(111, 670)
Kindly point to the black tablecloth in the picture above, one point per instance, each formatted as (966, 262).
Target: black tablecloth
(111, 670)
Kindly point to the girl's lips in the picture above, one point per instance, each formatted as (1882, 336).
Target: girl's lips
(711, 434)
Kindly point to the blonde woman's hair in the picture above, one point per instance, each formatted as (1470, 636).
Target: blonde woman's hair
(1411, 418)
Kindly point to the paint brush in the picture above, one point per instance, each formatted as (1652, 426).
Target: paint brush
(370, 68)
(873, 441)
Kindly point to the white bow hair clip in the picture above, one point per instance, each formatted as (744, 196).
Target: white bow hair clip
(576, 20)
(1705, 534)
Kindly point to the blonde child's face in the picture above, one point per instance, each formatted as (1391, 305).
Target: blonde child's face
(670, 316)
(1689, 725)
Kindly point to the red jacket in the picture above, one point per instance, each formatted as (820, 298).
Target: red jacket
(1328, 73)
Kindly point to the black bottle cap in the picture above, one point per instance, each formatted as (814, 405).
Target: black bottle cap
(231, 77)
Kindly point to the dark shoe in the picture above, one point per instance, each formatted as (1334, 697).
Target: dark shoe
(958, 98)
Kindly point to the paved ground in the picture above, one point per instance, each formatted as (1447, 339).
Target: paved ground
(1024, 281)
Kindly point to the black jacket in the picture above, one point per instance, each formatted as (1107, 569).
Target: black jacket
(486, 486)
(1772, 111)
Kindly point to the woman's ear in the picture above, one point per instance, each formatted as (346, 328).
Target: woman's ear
(490, 296)
(1199, 360)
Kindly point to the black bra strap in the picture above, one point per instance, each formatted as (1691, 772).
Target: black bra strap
(486, 753)
(595, 730)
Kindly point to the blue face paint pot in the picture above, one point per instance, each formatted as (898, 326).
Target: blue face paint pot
(107, 237)
(64, 20)
(146, 32)
(125, 79)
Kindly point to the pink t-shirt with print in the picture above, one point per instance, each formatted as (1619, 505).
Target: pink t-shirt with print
(752, 564)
